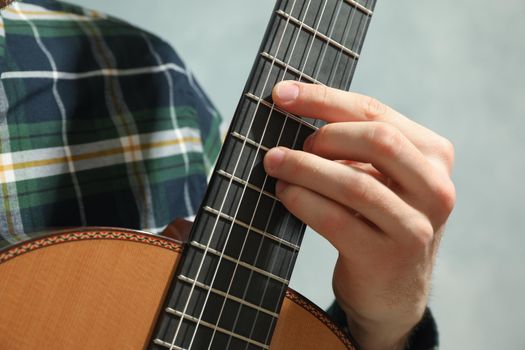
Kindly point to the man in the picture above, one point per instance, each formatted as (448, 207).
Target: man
(97, 115)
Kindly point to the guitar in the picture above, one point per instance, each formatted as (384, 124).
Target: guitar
(101, 288)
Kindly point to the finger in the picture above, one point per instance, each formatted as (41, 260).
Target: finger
(349, 187)
(380, 144)
(333, 221)
(332, 105)
(368, 169)
(178, 229)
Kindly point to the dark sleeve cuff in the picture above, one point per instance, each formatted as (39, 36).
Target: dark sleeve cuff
(424, 336)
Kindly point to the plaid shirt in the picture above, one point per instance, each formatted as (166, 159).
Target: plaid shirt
(100, 124)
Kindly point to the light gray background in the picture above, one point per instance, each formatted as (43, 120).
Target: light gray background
(455, 66)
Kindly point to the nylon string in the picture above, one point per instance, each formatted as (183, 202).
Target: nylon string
(252, 167)
(360, 34)
(264, 183)
(295, 140)
(217, 220)
(273, 205)
(316, 31)
(332, 73)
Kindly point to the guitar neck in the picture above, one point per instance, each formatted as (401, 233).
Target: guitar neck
(233, 276)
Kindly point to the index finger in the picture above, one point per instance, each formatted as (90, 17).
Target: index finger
(332, 105)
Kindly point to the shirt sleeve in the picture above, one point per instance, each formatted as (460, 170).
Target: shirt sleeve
(424, 336)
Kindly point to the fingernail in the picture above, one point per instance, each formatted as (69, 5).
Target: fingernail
(280, 186)
(287, 91)
(307, 146)
(273, 159)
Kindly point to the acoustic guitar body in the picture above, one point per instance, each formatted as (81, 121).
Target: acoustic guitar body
(103, 289)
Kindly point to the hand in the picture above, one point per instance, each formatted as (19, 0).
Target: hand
(377, 186)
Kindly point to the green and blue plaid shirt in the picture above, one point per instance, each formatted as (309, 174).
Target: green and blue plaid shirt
(100, 124)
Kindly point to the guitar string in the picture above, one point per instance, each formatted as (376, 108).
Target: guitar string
(291, 263)
(274, 202)
(360, 34)
(264, 183)
(288, 269)
(217, 220)
(360, 42)
(332, 25)
(281, 132)
(346, 31)
(345, 35)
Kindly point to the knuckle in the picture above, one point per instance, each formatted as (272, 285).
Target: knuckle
(447, 151)
(442, 153)
(386, 140)
(357, 188)
(445, 197)
(420, 235)
(373, 108)
(331, 222)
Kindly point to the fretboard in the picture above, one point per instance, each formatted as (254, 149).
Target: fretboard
(232, 279)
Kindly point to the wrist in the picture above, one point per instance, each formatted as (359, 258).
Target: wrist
(382, 335)
(374, 337)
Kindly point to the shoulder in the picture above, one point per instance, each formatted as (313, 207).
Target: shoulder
(77, 37)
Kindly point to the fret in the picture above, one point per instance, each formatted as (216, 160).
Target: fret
(164, 336)
(293, 54)
(202, 340)
(227, 277)
(269, 127)
(354, 26)
(243, 182)
(250, 167)
(248, 246)
(214, 327)
(268, 73)
(231, 279)
(284, 113)
(259, 118)
(249, 206)
(246, 205)
(342, 23)
(306, 55)
(318, 34)
(167, 345)
(228, 296)
(238, 262)
(312, 13)
(260, 232)
(249, 141)
(196, 302)
(289, 68)
(360, 7)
